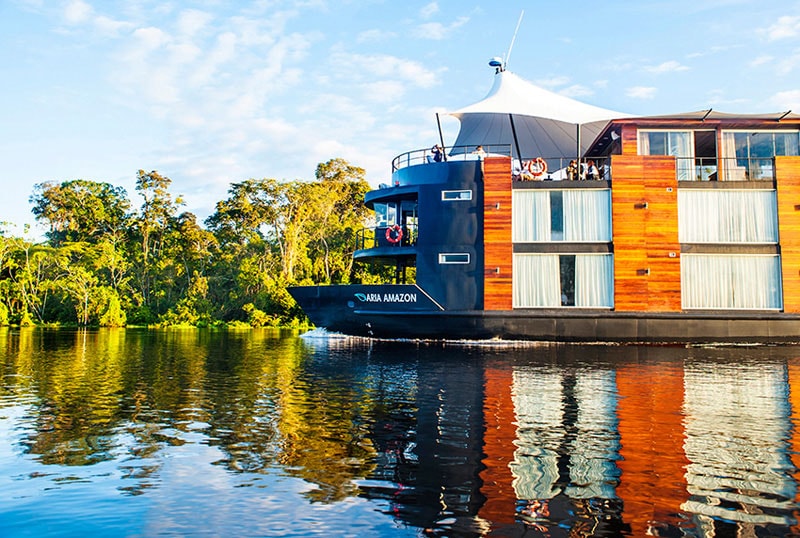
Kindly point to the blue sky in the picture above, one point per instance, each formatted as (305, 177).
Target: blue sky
(214, 92)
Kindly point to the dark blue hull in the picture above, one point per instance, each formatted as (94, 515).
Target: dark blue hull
(405, 311)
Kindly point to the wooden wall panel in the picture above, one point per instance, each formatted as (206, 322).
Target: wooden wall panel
(629, 139)
(628, 224)
(498, 250)
(787, 173)
(646, 247)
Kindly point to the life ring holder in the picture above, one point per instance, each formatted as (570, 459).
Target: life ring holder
(394, 234)
(537, 167)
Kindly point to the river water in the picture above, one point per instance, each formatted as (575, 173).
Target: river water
(267, 433)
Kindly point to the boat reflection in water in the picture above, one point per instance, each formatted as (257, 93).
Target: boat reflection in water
(137, 432)
(594, 441)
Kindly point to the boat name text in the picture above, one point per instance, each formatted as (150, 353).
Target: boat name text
(387, 297)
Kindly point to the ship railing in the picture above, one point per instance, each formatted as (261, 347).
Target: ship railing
(725, 169)
(539, 168)
(384, 236)
(450, 153)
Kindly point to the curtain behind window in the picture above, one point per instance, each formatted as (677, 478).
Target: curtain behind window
(537, 280)
(594, 280)
(530, 216)
(587, 215)
(727, 216)
(731, 281)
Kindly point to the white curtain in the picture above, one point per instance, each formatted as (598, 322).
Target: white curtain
(731, 171)
(594, 280)
(680, 145)
(644, 143)
(530, 216)
(727, 216)
(587, 215)
(537, 280)
(728, 281)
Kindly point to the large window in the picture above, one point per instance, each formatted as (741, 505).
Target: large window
(556, 280)
(572, 215)
(731, 281)
(749, 155)
(727, 216)
(679, 144)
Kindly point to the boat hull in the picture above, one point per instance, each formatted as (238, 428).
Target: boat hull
(391, 313)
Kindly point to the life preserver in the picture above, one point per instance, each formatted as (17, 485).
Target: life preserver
(537, 167)
(394, 233)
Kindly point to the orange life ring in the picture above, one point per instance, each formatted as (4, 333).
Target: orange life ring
(537, 167)
(394, 234)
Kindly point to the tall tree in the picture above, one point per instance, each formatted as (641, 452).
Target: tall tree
(80, 210)
(152, 225)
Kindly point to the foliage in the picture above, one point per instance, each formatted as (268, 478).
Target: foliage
(105, 263)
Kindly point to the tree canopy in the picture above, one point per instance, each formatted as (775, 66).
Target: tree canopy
(105, 262)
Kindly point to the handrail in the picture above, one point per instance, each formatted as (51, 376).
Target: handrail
(725, 168)
(375, 237)
(451, 153)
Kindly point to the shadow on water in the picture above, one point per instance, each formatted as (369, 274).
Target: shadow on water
(303, 436)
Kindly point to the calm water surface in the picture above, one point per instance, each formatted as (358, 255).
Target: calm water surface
(261, 433)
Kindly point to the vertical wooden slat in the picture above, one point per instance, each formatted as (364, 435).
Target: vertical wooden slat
(646, 248)
(787, 173)
(498, 250)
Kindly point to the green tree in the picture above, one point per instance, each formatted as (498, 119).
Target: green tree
(80, 210)
(151, 226)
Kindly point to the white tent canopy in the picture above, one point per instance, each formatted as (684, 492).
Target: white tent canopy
(546, 124)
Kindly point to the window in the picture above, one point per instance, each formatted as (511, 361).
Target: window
(462, 258)
(679, 144)
(727, 216)
(385, 214)
(731, 281)
(749, 155)
(562, 280)
(456, 195)
(573, 215)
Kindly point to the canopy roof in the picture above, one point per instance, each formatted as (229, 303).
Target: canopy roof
(546, 124)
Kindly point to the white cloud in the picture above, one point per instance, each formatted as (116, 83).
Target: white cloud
(384, 91)
(552, 82)
(788, 26)
(761, 60)
(667, 67)
(788, 63)
(577, 90)
(77, 12)
(787, 100)
(375, 66)
(373, 36)
(438, 31)
(191, 22)
(641, 92)
(429, 10)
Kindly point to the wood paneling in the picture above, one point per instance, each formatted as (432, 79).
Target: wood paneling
(629, 140)
(787, 174)
(498, 252)
(644, 197)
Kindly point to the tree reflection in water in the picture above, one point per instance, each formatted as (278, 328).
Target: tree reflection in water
(419, 438)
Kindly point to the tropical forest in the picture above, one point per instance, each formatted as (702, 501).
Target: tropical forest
(109, 260)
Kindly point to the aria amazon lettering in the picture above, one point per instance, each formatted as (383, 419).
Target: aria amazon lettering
(387, 297)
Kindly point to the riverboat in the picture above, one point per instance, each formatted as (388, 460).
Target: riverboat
(550, 219)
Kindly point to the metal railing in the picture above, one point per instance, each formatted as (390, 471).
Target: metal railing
(378, 237)
(725, 169)
(450, 154)
(561, 169)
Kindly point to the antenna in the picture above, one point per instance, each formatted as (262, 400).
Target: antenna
(511, 46)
